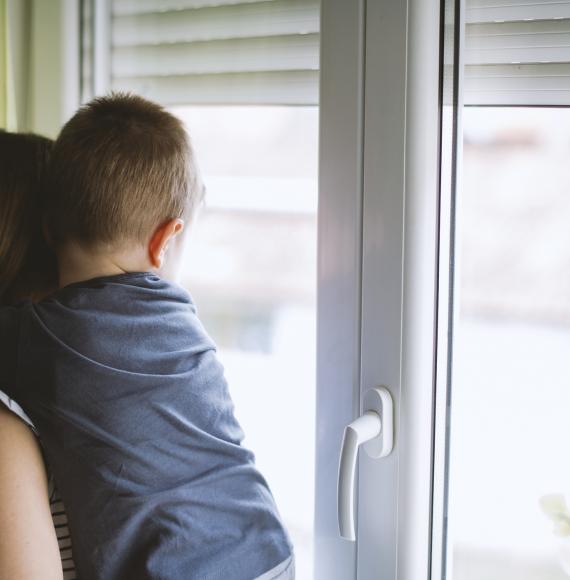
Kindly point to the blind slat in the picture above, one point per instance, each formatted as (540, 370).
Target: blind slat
(547, 84)
(121, 7)
(268, 88)
(275, 18)
(243, 55)
(515, 10)
(518, 42)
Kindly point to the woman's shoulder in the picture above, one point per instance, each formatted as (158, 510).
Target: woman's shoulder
(28, 544)
(31, 511)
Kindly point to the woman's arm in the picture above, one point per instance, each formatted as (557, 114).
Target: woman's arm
(28, 544)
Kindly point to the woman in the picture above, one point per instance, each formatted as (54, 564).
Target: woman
(29, 508)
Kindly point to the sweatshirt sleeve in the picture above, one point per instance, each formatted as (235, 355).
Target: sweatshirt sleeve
(9, 339)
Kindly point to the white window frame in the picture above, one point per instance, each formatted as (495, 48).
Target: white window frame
(339, 267)
(382, 186)
(451, 170)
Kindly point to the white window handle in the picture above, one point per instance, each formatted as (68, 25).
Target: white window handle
(374, 428)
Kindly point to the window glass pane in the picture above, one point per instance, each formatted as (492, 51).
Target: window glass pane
(509, 480)
(251, 269)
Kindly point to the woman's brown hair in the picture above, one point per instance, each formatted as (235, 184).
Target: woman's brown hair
(27, 265)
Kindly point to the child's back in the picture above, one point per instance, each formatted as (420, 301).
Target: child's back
(131, 404)
(130, 400)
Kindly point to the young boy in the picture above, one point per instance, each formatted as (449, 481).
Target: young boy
(118, 374)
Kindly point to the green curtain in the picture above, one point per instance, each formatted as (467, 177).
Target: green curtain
(8, 117)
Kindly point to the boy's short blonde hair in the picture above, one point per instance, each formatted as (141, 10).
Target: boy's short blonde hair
(120, 168)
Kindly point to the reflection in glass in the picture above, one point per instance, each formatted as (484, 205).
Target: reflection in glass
(251, 269)
(510, 425)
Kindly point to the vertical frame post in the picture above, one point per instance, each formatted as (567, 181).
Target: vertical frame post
(451, 155)
(399, 291)
(339, 268)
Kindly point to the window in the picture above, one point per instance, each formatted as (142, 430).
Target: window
(507, 487)
(251, 268)
(511, 380)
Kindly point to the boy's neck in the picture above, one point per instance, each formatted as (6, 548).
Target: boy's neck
(77, 263)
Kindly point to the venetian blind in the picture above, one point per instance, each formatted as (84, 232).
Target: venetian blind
(216, 51)
(517, 52)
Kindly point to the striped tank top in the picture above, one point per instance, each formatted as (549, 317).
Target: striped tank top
(62, 533)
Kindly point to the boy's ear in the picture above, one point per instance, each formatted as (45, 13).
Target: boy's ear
(158, 244)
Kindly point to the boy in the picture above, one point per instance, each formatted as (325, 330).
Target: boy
(119, 376)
